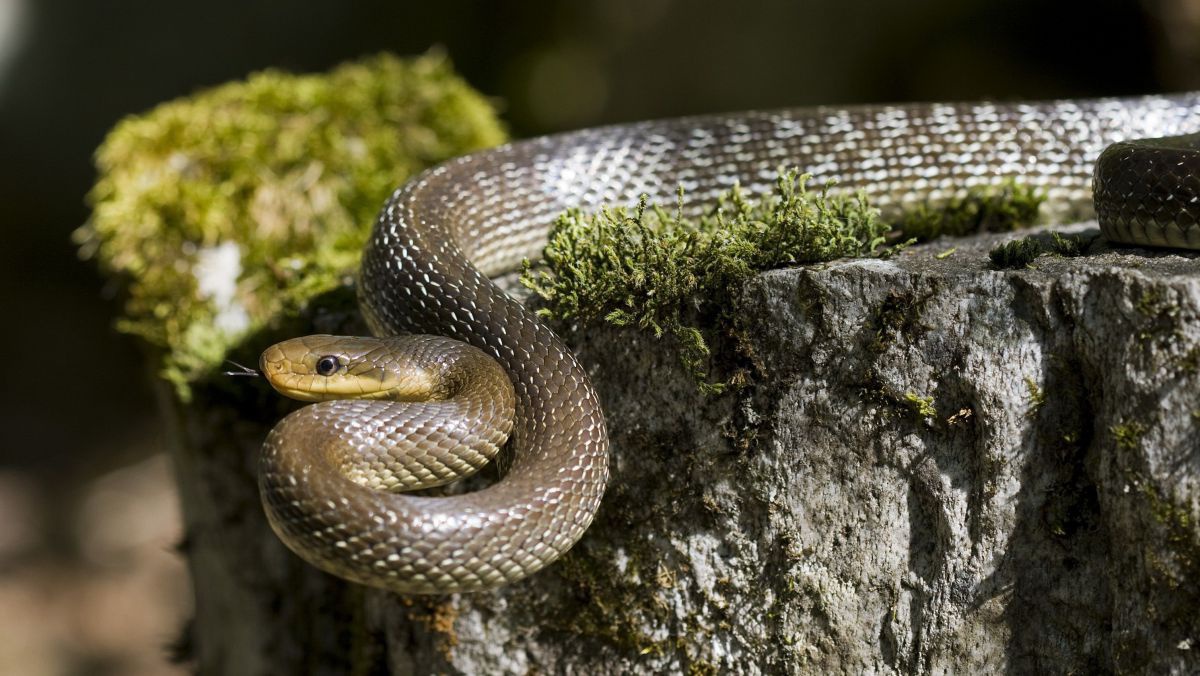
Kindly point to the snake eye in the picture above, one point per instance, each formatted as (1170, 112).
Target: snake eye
(327, 365)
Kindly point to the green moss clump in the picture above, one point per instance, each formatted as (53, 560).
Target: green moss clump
(650, 268)
(1037, 397)
(1016, 254)
(1004, 207)
(1155, 304)
(1128, 436)
(646, 267)
(1067, 246)
(899, 313)
(1020, 253)
(219, 211)
(922, 406)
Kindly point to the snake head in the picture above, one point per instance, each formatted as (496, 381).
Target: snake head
(323, 367)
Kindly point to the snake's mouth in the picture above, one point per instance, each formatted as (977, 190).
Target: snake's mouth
(325, 391)
(300, 393)
(295, 381)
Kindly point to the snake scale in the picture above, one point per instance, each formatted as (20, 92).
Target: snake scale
(330, 472)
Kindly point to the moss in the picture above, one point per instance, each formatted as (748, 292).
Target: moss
(220, 211)
(653, 269)
(998, 208)
(1016, 254)
(1189, 363)
(646, 267)
(899, 313)
(622, 594)
(1175, 566)
(1036, 396)
(615, 607)
(922, 406)
(626, 608)
(1020, 253)
(1128, 436)
(1176, 519)
(1178, 563)
(1154, 304)
(1162, 330)
(1068, 246)
(618, 591)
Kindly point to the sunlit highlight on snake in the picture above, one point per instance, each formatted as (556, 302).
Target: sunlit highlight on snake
(433, 409)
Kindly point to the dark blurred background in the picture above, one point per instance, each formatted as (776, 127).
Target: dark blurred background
(88, 582)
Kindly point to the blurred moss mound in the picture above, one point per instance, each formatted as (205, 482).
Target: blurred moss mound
(220, 211)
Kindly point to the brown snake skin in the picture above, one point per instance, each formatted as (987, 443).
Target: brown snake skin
(439, 237)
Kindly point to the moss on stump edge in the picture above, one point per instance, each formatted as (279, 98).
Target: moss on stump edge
(221, 212)
(669, 274)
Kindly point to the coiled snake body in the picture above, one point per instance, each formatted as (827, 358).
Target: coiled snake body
(329, 471)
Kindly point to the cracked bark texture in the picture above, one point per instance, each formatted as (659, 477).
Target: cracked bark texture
(935, 467)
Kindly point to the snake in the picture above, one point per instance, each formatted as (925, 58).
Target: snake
(461, 371)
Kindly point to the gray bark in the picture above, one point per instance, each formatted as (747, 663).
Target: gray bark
(934, 467)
